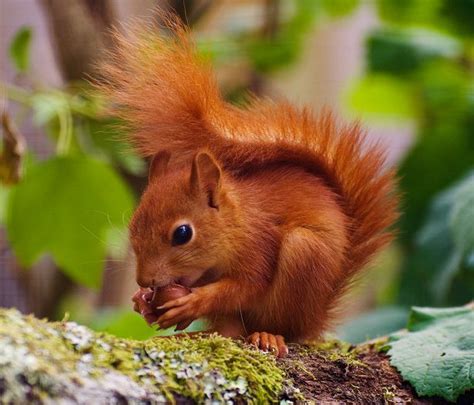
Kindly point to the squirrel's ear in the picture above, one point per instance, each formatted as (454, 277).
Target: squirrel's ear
(159, 164)
(206, 178)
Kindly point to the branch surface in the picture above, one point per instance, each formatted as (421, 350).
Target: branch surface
(62, 361)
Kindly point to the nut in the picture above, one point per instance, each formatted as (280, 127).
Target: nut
(146, 301)
(167, 293)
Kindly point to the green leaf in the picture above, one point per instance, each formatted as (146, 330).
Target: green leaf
(436, 355)
(282, 49)
(65, 206)
(391, 52)
(422, 176)
(382, 96)
(128, 324)
(462, 217)
(339, 8)
(48, 105)
(20, 49)
(460, 16)
(416, 12)
(454, 16)
(122, 323)
(442, 247)
(402, 52)
(4, 191)
(447, 91)
(420, 317)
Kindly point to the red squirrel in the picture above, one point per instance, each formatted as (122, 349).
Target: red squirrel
(265, 213)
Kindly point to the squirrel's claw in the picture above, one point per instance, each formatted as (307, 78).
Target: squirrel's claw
(269, 342)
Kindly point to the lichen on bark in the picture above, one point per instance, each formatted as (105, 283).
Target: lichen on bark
(45, 362)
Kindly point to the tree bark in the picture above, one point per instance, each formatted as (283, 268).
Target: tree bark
(80, 34)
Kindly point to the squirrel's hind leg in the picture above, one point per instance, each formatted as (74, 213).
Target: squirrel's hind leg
(269, 342)
(303, 288)
(228, 325)
(234, 327)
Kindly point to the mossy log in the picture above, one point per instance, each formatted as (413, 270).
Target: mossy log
(51, 362)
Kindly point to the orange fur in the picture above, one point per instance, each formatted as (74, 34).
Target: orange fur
(299, 203)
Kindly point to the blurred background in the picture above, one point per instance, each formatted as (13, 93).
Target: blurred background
(69, 183)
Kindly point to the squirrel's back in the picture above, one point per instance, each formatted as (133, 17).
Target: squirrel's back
(170, 100)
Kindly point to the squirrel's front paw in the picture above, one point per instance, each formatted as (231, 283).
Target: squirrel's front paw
(152, 304)
(268, 342)
(182, 311)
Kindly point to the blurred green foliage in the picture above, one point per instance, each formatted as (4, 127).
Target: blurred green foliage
(373, 324)
(19, 49)
(440, 266)
(3, 203)
(280, 42)
(127, 324)
(394, 97)
(282, 46)
(74, 205)
(65, 206)
(419, 68)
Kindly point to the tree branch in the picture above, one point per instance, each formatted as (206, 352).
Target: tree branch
(79, 31)
(63, 361)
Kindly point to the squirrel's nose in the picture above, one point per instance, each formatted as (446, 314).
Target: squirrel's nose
(145, 281)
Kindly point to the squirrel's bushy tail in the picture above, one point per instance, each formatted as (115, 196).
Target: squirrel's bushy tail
(170, 100)
(159, 87)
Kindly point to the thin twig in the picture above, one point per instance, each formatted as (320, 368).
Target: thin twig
(14, 147)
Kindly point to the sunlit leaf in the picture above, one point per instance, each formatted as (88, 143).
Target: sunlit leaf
(410, 11)
(382, 96)
(123, 323)
(129, 324)
(339, 8)
(4, 191)
(47, 106)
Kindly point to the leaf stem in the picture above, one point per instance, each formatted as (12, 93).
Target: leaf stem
(23, 96)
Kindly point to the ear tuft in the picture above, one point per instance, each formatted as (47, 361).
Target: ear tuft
(206, 177)
(159, 164)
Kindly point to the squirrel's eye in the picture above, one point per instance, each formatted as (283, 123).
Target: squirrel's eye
(182, 234)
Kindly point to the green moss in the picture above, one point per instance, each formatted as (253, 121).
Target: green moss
(337, 350)
(64, 360)
(300, 366)
(378, 345)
